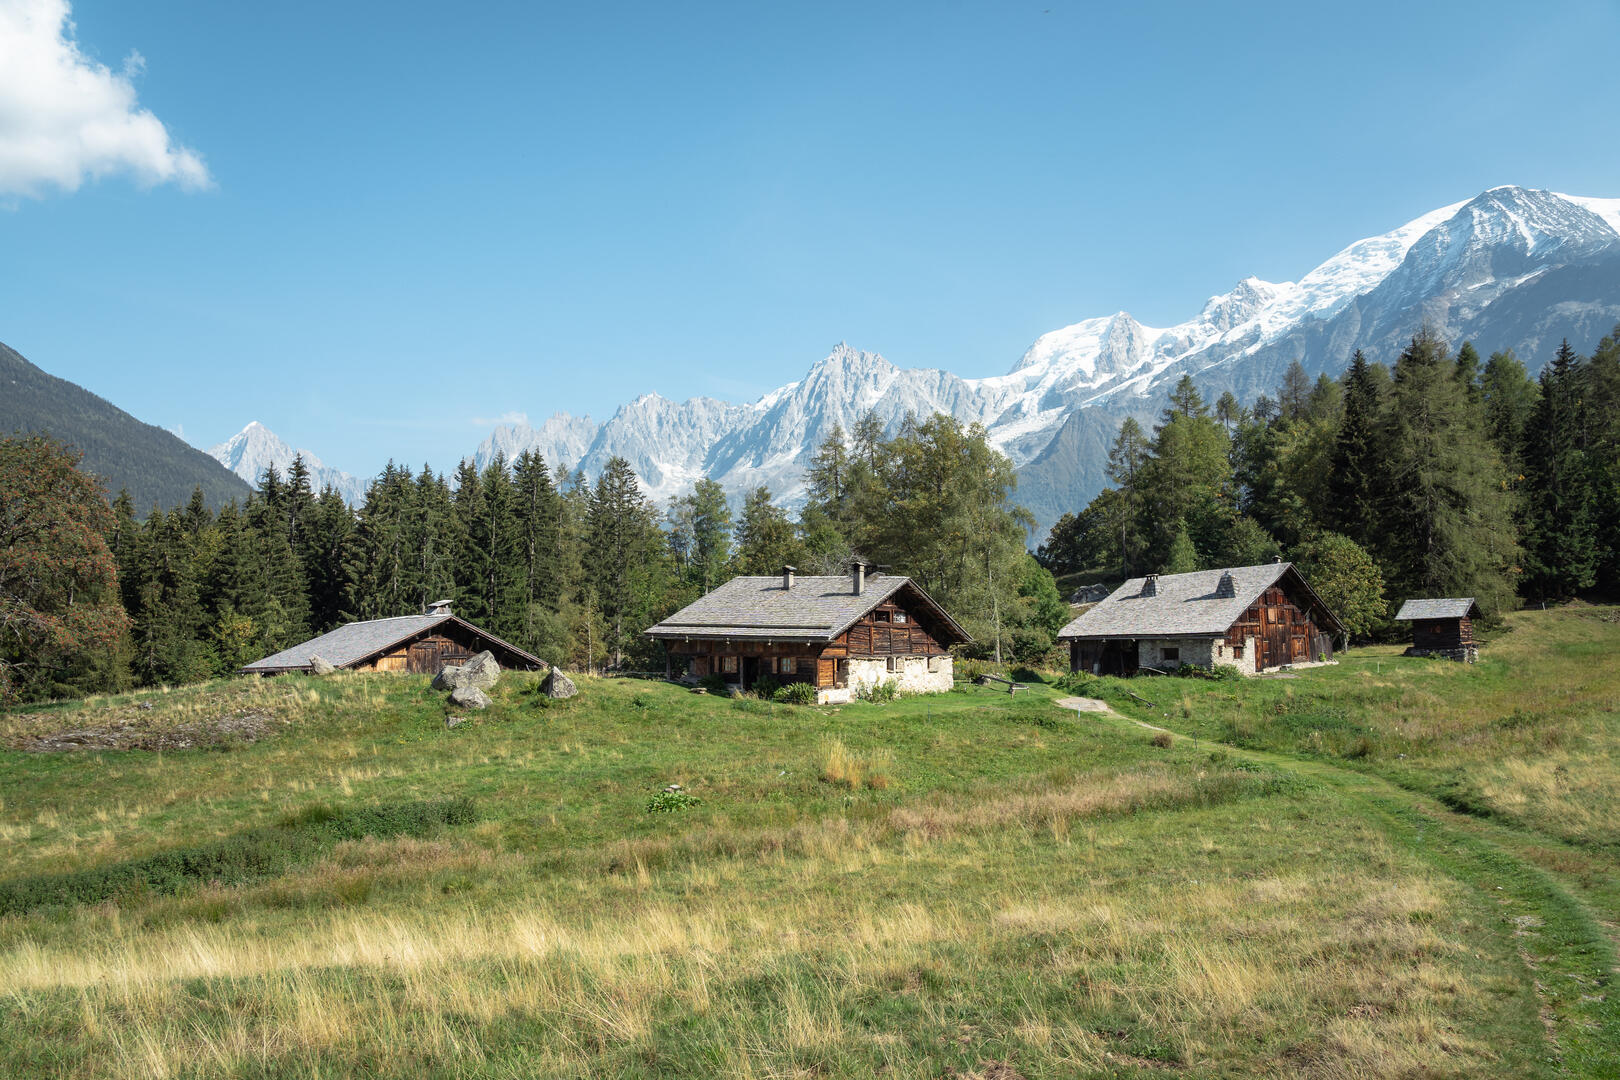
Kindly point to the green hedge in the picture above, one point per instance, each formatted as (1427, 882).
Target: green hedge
(247, 856)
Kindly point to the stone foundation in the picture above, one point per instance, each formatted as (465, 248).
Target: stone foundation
(1466, 654)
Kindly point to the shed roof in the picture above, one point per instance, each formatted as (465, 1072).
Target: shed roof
(815, 609)
(350, 644)
(1186, 605)
(1457, 607)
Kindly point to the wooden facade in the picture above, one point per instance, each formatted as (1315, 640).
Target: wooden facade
(1283, 628)
(428, 655)
(893, 628)
(1444, 635)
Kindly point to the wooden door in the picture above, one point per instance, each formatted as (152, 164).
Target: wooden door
(425, 658)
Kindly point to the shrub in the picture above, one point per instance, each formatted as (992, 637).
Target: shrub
(879, 692)
(672, 802)
(1027, 675)
(714, 684)
(766, 687)
(1164, 740)
(799, 693)
(1227, 672)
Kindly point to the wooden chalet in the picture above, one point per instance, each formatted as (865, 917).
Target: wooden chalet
(1254, 618)
(414, 643)
(1443, 627)
(838, 633)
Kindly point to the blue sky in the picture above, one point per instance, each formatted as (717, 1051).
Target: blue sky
(418, 216)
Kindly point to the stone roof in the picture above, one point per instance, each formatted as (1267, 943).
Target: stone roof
(815, 609)
(1183, 605)
(355, 642)
(1461, 607)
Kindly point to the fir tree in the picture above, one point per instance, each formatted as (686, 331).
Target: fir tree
(1560, 531)
(1352, 478)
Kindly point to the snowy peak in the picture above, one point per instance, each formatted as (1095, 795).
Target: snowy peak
(256, 448)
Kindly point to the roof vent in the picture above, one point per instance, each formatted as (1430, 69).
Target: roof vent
(1226, 589)
(1150, 585)
(1276, 558)
(858, 574)
(439, 607)
(787, 578)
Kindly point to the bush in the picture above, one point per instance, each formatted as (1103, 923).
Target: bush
(766, 687)
(1227, 672)
(1027, 675)
(1164, 740)
(672, 802)
(715, 684)
(799, 693)
(245, 857)
(879, 692)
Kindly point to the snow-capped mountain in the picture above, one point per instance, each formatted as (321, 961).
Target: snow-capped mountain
(1512, 268)
(255, 448)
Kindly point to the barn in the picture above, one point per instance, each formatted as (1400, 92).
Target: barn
(1255, 618)
(414, 643)
(1442, 627)
(840, 633)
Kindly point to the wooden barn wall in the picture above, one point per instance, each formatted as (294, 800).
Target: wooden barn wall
(1283, 631)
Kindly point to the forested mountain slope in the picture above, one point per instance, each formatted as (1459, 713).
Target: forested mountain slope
(157, 468)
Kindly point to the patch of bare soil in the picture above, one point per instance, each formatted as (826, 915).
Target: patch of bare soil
(1083, 704)
(134, 729)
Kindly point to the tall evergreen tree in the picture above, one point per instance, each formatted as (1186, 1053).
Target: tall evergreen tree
(766, 540)
(1353, 474)
(623, 543)
(1444, 514)
(1560, 530)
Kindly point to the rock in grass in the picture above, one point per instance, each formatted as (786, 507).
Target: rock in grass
(481, 671)
(319, 665)
(469, 697)
(454, 721)
(446, 679)
(558, 685)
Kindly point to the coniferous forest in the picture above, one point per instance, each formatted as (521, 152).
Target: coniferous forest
(1445, 475)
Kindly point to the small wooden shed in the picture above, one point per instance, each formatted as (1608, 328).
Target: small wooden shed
(1442, 627)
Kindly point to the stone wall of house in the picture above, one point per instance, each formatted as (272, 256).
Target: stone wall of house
(1200, 652)
(915, 674)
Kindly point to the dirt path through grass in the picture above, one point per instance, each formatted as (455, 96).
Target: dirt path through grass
(1561, 924)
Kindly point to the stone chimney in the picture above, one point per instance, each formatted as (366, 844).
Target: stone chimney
(1226, 588)
(1150, 585)
(858, 572)
(439, 607)
(1276, 558)
(787, 578)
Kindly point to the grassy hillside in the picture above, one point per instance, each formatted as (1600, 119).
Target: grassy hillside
(153, 464)
(317, 877)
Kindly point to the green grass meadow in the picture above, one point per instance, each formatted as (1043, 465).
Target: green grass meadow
(1386, 868)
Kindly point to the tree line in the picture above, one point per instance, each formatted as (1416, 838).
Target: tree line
(568, 569)
(1441, 476)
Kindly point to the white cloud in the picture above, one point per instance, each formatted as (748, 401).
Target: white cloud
(513, 418)
(65, 117)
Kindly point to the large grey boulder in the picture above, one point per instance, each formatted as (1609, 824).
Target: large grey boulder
(469, 697)
(320, 666)
(481, 671)
(558, 685)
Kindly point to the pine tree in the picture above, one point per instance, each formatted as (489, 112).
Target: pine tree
(1444, 524)
(1509, 395)
(766, 540)
(1295, 391)
(1352, 479)
(623, 544)
(538, 512)
(1127, 460)
(1601, 383)
(1560, 530)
